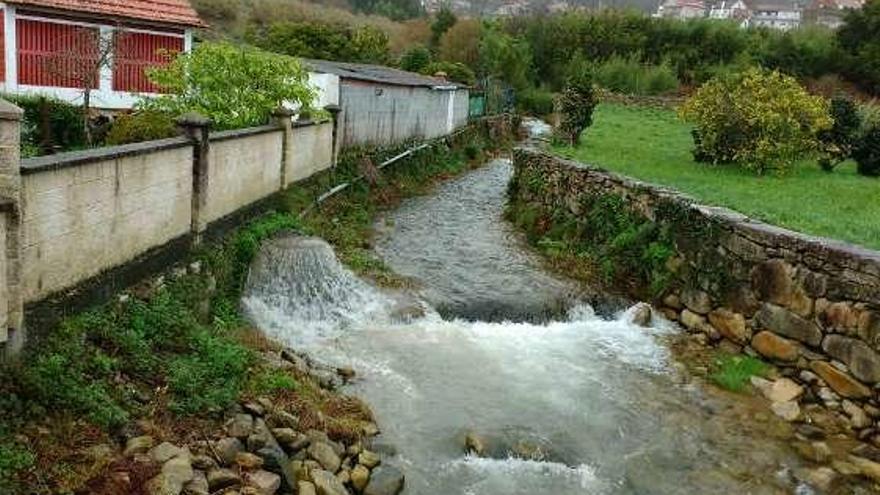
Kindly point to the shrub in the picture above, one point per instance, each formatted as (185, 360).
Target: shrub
(837, 142)
(535, 101)
(137, 127)
(735, 372)
(867, 152)
(454, 71)
(415, 59)
(630, 76)
(576, 105)
(760, 120)
(254, 83)
(49, 125)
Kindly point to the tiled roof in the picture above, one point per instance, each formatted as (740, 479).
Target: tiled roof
(178, 12)
(377, 73)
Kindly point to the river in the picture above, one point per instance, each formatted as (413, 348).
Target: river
(570, 400)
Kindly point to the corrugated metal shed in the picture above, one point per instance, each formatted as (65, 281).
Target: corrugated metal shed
(379, 74)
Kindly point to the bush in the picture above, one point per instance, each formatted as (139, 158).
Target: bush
(535, 102)
(415, 59)
(759, 120)
(236, 86)
(630, 76)
(146, 125)
(576, 105)
(454, 71)
(49, 125)
(837, 142)
(867, 153)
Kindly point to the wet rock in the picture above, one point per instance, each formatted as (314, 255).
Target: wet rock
(788, 324)
(326, 483)
(839, 381)
(782, 390)
(203, 462)
(474, 444)
(866, 467)
(642, 315)
(248, 461)
(325, 455)
(274, 457)
(810, 432)
(696, 323)
(385, 480)
(370, 429)
(774, 347)
(360, 476)
(170, 481)
(858, 356)
(821, 478)
(265, 482)
(138, 445)
(305, 488)
(857, 416)
(221, 478)
(789, 411)
(166, 451)
(227, 448)
(254, 408)
(198, 485)
(730, 325)
(285, 436)
(283, 419)
(344, 476)
(866, 451)
(814, 451)
(369, 459)
(673, 301)
(696, 301)
(240, 426)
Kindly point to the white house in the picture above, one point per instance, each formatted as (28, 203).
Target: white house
(776, 14)
(682, 9)
(734, 10)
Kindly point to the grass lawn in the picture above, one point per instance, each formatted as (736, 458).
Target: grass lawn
(653, 145)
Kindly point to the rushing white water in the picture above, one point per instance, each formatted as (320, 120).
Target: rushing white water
(570, 402)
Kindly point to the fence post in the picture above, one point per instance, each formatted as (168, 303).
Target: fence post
(12, 334)
(335, 111)
(284, 117)
(197, 128)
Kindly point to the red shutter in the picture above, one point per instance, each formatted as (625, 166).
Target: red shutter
(135, 53)
(57, 55)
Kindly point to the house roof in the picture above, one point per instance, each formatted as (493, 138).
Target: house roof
(178, 12)
(377, 74)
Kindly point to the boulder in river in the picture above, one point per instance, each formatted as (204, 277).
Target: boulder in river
(385, 480)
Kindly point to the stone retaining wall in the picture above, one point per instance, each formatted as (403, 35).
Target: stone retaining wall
(808, 304)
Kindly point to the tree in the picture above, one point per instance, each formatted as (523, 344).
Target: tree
(86, 53)
(324, 41)
(461, 43)
(443, 22)
(415, 59)
(236, 86)
(504, 57)
(837, 143)
(576, 105)
(859, 39)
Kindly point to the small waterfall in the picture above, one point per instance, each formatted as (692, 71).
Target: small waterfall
(297, 284)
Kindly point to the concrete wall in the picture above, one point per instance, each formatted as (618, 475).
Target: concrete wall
(82, 217)
(380, 114)
(4, 292)
(805, 303)
(244, 168)
(310, 152)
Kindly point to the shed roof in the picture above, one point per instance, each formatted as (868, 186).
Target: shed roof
(378, 74)
(178, 12)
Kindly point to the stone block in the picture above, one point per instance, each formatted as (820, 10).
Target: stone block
(840, 382)
(773, 282)
(788, 324)
(730, 325)
(774, 347)
(863, 361)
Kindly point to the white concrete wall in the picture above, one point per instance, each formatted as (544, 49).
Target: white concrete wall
(327, 86)
(311, 151)
(82, 219)
(242, 171)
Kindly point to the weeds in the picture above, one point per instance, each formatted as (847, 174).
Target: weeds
(733, 372)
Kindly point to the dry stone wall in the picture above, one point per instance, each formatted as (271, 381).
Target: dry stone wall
(808, 304)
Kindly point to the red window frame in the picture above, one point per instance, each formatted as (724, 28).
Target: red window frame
(138, 51)
(53, 54)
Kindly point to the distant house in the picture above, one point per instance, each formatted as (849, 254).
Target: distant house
(56, 47)
(682, 9)
(830, 13)
(382, 105)
(776, 14)
(735, 10)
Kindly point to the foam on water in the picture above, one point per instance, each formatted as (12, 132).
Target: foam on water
(520, 476)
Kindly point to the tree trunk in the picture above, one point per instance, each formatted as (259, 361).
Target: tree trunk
(87, 127)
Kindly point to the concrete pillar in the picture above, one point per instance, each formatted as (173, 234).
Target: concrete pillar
(12, 333)
(335, 111)
(284, 118)
(197, 128)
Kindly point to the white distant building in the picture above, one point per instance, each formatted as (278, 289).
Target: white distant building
(830, 13)
(735, 10)
(775, 14)
(682, 9)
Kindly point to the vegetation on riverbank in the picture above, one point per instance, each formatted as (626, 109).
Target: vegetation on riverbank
(172, 355)
(652, 144)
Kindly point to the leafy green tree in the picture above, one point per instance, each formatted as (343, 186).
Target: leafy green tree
(867, 152)
(443, 22)
(454, 71)
(837, 143)
(860, 39)
(576, 104)
(505, 57)
(415, 59)
(324, 41)
(236, 86)
(393, 9)
(761, 120)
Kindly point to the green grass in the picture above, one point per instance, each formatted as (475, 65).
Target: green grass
(734, 372)
(653, 145)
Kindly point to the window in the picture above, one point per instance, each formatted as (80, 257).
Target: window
(57, 55)
(135, 53)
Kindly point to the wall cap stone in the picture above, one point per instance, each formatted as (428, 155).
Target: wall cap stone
(75, 158)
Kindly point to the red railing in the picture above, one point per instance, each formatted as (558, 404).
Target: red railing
(135, 53)
(57, 55)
